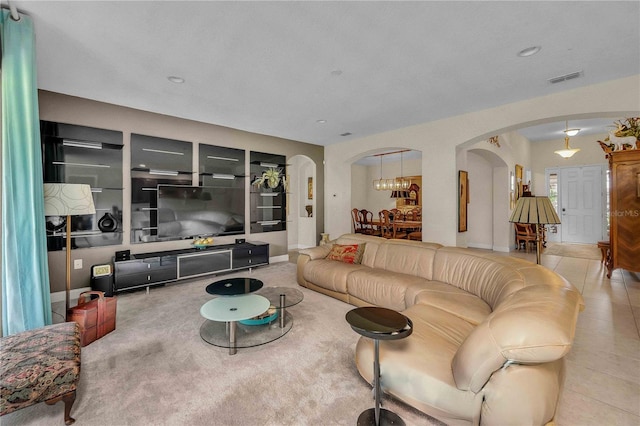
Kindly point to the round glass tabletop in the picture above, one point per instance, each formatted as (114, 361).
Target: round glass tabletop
(234, 308)
(293, 296)
(234, 286)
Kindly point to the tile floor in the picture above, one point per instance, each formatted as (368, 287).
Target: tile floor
(602, 385)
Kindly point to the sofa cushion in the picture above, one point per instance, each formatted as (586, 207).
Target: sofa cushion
(548, 313)
(381, 288)
(347, 253)
(329, 274)
(448, 298)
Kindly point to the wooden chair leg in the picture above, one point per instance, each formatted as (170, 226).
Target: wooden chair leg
(68, 399)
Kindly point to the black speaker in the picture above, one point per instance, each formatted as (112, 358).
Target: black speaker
(123, 255)
(102, 279)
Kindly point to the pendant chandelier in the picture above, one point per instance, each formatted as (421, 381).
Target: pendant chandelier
(568, 151)
(399, 186)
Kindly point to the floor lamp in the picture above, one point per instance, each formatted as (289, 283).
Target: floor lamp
(66, 199)
(536, 211)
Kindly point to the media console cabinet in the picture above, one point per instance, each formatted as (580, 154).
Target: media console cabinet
(148, 269)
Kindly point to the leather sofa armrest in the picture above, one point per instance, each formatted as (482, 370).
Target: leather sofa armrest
(307, 255)
(319, 252)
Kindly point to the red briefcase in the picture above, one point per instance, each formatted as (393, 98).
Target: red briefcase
(95, 317)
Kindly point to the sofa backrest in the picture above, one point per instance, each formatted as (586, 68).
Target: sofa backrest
(531, 326)
(407, 257)
(487, 278)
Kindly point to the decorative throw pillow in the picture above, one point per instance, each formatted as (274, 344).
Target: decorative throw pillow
(347, 253)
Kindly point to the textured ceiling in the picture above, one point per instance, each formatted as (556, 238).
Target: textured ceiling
(276, 68)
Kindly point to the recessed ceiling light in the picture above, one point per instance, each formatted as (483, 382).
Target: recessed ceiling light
(529, 51)
(174, 79)
(321, 121)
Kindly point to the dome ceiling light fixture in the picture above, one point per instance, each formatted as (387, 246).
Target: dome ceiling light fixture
(175, 79)
(568, 152)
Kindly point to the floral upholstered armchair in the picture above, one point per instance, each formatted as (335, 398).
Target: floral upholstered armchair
(40, 365)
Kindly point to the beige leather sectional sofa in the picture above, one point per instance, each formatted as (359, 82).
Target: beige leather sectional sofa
(490, 332)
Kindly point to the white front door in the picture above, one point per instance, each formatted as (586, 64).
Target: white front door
(581, 203)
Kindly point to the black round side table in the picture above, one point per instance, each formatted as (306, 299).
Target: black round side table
(379, 324)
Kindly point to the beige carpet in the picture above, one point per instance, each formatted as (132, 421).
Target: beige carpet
(583, 251)
(154, 369)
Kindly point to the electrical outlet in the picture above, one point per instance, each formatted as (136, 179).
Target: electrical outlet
(77, 264)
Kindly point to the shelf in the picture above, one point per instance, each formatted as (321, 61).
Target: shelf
(85, 144)
(85, 155)
(159, 172)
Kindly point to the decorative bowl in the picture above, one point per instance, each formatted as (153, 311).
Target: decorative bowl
(201, 246)
(266, 318)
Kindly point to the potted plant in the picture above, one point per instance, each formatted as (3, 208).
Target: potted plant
(270, 177)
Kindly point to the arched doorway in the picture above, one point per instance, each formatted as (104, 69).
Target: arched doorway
(301, 203)
(488, 209)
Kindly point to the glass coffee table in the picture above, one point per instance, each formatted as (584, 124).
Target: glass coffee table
(227, 311)
(248, 332)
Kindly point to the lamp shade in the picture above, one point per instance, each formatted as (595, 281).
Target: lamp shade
(67, 199)
(534, 210)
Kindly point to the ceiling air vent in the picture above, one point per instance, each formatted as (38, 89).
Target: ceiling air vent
(345, 134)
(565, 77)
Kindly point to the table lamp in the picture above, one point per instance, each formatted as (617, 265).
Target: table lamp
(66, 199)
(537, 211)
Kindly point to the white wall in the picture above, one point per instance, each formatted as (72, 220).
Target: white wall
(480, 207)
(438, 141)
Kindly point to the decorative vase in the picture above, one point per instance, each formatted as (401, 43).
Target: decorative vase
(324, 239)
(107, 223)
(309, 210)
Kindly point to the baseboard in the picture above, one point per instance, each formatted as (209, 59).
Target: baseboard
(480, 246)
(281, 258)
(501, 249)
(59, 296)
(299, 247)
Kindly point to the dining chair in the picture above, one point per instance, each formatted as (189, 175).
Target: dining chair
(386, 228)
(367, 225)
(525, 234)
(355, 221)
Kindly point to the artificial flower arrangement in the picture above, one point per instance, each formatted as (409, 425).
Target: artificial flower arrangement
(626, 136)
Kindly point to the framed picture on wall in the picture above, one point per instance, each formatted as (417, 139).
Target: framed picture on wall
(310, 188)
(519, 181)
(463, 199)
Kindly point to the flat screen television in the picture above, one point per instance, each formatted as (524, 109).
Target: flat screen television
(195, 211)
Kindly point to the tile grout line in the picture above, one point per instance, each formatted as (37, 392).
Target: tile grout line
(633, 313)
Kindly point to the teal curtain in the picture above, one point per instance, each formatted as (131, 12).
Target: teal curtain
(26, 302)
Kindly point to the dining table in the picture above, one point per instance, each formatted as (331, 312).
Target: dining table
(400, 224)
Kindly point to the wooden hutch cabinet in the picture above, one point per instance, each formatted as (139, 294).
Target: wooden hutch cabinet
(624, 211)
